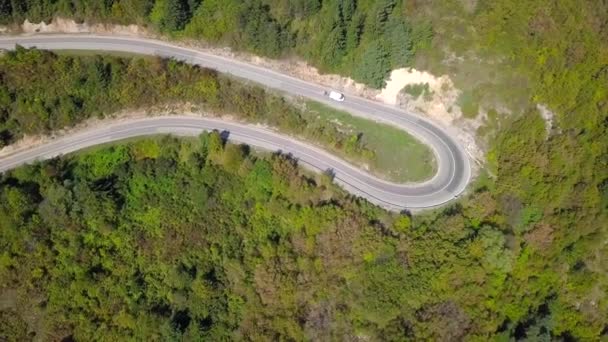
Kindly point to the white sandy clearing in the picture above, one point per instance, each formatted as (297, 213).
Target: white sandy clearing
(443, 99)
(70, 26)
(548, 116)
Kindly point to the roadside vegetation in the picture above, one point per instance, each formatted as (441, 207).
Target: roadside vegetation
(523, 257)
(417, 90)
(42, 92)
(363, 39)
(397, 156)
(194, 238)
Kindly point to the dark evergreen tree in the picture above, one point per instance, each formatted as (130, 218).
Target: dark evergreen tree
(177, 15)
(400, 43)
(374, 65)
(6, 11)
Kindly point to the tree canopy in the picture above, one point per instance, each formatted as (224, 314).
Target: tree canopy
(332, 35)
(181, 239)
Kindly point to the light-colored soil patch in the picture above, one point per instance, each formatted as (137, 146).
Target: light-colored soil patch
(442, 103)
(548, 116)
(61, 25)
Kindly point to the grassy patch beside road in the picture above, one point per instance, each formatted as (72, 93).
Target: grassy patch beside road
(45, 92)
(397, 156)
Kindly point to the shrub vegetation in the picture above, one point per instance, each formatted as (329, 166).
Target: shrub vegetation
(225, 246)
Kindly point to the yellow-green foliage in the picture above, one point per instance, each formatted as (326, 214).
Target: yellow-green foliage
(179, 247)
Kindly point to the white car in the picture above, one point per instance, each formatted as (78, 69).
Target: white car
(336, 96)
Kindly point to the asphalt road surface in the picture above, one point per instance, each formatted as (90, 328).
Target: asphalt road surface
(451, 179)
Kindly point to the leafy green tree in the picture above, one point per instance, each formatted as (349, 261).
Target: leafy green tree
(402, 224)
(6, 11)
(374, 65)
(304, 8)
(354, 32)
(400, 43)
(261, 32)
(292, 260)
(232, 157)
(224, 14)
(177, 15)
(214, 145)
(13, 327)
(333, 46)
(379, 16)
(170, 15)
(347, 9)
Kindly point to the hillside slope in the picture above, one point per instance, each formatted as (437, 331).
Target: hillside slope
(522, 257)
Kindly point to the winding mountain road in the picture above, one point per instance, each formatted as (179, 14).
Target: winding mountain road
(451, 179)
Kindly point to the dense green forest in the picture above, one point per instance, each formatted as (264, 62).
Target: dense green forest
(363, 38)
(168, 239)
(523, 257)
(41, 92)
